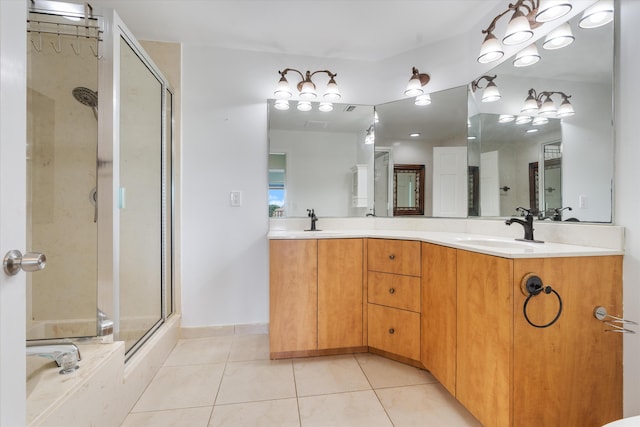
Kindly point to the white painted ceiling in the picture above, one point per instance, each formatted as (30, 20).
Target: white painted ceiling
(368, 30)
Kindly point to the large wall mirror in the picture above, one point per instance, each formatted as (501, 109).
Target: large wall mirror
(549, 164)
(321, 160)
(433, 136)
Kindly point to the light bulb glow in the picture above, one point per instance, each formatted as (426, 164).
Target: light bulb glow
(522, 120)
(332, 93)
(506, 118)
(325, 107)
(414, 87)
(308, 90)
(548, 108)
(539, 121)
(283, 91)
(530, 106)
(281, 104)
(304, 106)
(424, 99)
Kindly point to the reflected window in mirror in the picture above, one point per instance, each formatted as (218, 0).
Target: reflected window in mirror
(408, 190)
(277, 184)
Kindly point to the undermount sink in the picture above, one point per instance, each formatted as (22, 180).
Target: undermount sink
(496, 243)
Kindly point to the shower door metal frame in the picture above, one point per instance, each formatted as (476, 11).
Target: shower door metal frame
(109, 175)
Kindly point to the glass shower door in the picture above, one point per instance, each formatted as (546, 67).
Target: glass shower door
(140, 198)
(62, 137)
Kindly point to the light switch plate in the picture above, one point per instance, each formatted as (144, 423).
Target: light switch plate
(235, 198)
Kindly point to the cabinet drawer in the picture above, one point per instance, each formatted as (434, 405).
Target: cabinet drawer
(394, 256)
(394, 290)
(395, 331)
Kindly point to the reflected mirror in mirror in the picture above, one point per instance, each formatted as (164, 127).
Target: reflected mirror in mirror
(408, 190)
(433, 136)
(577, 151)
(321, 160)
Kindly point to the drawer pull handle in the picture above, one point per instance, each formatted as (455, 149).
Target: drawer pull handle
(392, 331)
(392, 291)
(392, 257)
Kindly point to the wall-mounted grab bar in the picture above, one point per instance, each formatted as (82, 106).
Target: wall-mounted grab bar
(601, 314)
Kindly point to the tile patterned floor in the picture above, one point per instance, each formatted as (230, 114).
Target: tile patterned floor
(230, 382)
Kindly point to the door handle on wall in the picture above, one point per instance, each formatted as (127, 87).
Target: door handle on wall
(14, 261)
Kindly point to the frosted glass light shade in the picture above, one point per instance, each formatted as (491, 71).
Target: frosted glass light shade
(548, 108)
(597, 15)
(424, 99)
(565, 109)
(530, 106)
(527, 56)
(523, 120)
(304, 106)
(308, 91)
(332, 93)
(506, 118)
(325, 107)
(559, 38)
(491, 93)
(281, 104)
(518, 29)
(552, 9)
(283, 91)
(491, 50)
(539, 121)
(414, 87)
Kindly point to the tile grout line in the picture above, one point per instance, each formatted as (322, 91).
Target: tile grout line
(295, 387)
(374, 391)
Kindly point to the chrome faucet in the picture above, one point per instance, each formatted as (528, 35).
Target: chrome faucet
(311, 214)
(527, 223)
(65, 354)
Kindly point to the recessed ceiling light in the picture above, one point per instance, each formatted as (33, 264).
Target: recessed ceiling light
(471, 138)
(415, 134)
(532, 130)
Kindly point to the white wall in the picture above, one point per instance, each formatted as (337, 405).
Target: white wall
(627, 197)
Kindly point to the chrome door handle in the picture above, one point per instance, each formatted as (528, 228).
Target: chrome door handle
(14, 261)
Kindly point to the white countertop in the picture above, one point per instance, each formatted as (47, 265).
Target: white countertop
(491, 245)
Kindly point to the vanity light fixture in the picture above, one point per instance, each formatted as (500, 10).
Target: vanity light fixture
(527, 56)
(416, 82)
(304, 106)
(491, 92)
(325, 107)
(539, 121)
(506, 118)
(281, 104)
(523, 120)
(542, 104)
(597, 15)
(424, 99)
(527, 15)
(307, 89)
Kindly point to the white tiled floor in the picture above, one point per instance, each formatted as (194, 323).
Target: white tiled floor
(230, 382)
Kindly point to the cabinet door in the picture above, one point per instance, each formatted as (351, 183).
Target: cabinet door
(439, 313)
(340, 266)
(485, 337)
(573, 365)
(293, 295)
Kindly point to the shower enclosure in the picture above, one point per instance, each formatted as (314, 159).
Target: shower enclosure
(99, 177)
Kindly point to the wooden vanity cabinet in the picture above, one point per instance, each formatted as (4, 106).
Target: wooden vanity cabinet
(393, 283)
(439, 299)
(510, 373)
(316, 296)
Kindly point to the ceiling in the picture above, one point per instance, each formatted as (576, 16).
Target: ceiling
(367, 30)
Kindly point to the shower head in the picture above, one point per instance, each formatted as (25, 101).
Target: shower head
(86, 96)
